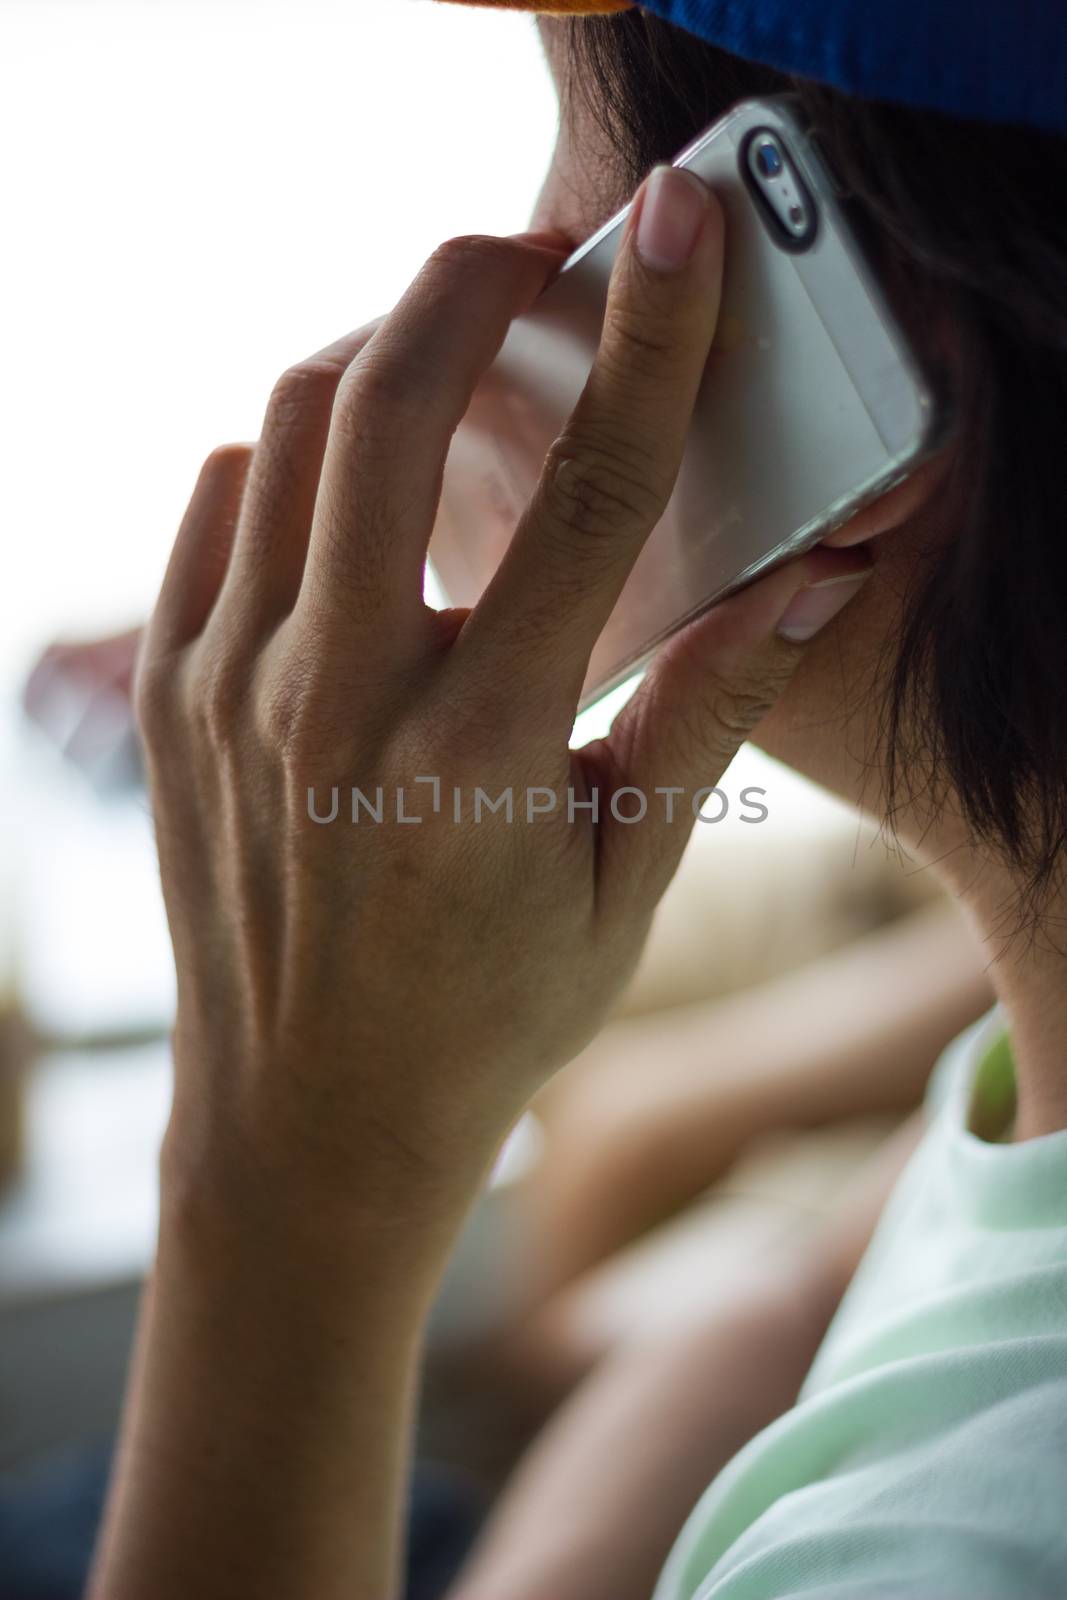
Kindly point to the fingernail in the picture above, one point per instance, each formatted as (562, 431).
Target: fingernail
(673, 207)
(812, 608)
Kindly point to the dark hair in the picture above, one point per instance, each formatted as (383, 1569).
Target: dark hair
(971, 219)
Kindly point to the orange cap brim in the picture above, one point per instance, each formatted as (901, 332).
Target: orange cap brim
(572, 8)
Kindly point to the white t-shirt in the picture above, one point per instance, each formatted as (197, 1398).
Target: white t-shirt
(927, 1454)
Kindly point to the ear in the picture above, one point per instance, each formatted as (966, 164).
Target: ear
(897, 505)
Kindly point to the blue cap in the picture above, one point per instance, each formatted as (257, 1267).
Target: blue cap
(993, 60)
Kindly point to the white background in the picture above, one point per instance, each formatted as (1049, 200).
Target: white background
(195, 193)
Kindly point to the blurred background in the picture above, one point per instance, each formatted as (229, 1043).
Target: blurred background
(196, 193)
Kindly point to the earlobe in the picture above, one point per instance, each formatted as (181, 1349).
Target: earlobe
(891, 509)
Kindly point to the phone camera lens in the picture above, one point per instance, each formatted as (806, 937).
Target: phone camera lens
(769, 160)
(775, 182)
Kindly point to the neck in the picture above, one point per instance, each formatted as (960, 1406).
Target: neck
(1028, 970)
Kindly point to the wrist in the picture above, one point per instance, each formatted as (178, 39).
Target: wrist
(338, 1128)
(260, 1201)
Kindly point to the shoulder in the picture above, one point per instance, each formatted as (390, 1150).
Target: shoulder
(974, 1507)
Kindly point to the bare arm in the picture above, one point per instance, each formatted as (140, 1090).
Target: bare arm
(266, 1442)
(596, 1504)
(659, 1105)
(363, 1012)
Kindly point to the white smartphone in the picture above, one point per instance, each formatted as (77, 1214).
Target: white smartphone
(812, 401)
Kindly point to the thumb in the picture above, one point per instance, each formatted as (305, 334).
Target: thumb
(704, 695)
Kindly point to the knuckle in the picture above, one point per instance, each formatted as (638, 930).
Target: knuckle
(598, 490)
(646, 343)
(469, 253)
(737, 704)
(379, 391)
(154, 701)
(306, 389)
(737, 710)
(776, 672)
(296, 719)
(218, 699)
(283, 720)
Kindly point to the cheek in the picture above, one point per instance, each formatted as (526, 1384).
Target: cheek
(586, 182)
(579, 197)
(560, 205)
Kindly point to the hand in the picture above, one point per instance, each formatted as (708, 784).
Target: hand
(365, 1008)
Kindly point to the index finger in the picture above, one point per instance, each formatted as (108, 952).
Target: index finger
(395, 411)
(607, 479)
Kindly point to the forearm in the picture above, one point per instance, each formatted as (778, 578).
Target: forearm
(877, 1015)
(265, 1445)
(598, 1501)
(866, 1044)
(596, 1504)
(628, 1146)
